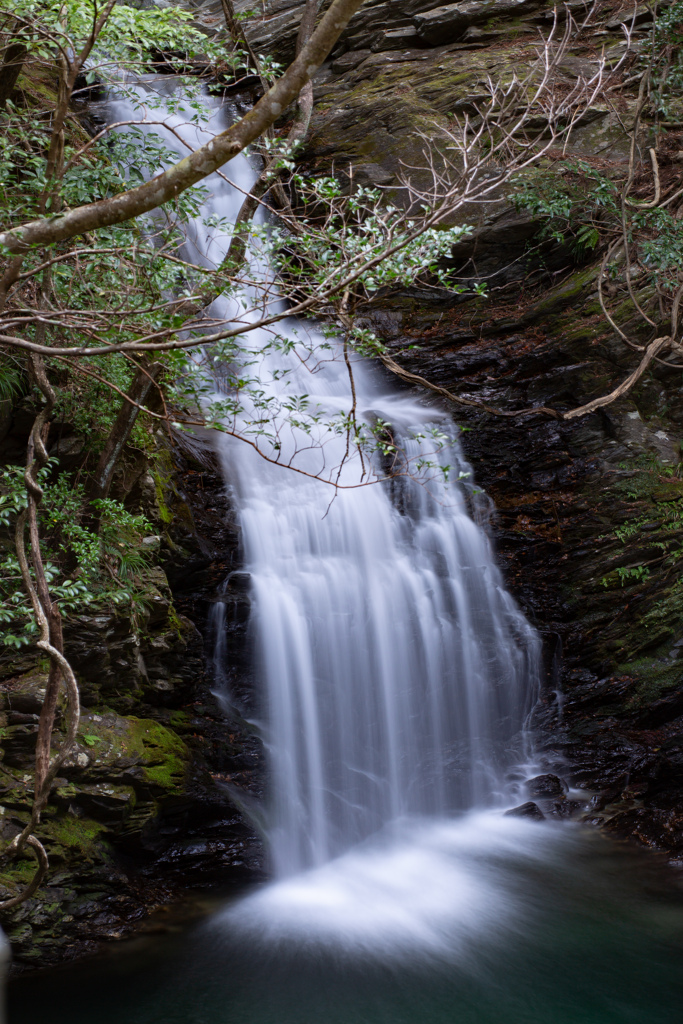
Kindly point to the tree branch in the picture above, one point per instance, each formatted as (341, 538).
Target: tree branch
(143, 382)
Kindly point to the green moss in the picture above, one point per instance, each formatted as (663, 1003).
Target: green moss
(37, 87)
(654, 680)
(180, 720)
(164, 511)
(569, 291)
(168, 775)
(179, 627)
(163, 753)
(170, 505)
(18, 873)
(651, 484)
(70, 831)
(67, 792)
(69, 837)
(155, 754)
(665, 491)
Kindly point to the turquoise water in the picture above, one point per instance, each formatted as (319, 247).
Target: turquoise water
(534, 925)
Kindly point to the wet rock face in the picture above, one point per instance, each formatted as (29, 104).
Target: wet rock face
(405, 67)
(527, 810)
(545, 786)
(274, 26)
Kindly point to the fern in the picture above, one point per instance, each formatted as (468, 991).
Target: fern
(11, 380)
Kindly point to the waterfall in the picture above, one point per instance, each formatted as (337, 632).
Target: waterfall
(397, 672)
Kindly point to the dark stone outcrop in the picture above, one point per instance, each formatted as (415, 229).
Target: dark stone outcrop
(587, 516)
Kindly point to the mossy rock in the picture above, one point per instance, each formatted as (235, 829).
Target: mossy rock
(66, 837)
(109, 790)
(129, 751)
(654, 680)
(172, 509)
(379, 113)
(72, 843)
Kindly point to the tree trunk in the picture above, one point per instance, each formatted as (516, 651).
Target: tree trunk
(10, 69)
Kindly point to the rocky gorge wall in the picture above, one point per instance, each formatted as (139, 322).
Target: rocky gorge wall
(588, 515)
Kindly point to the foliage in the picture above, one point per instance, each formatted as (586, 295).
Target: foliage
(573, 206)
(11, 379)
(339, 235)
(660, 237)
(130, 36)
(129, 282)
(626, 574)
(112, 289)
(583, 208)
(83, 568)
(353, 230)
(590, 208)
(668, 66)
(659, 529)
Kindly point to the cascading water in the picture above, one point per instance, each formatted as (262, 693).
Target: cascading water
(398, 673)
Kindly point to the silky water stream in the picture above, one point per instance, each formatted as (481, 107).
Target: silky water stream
(397, 677)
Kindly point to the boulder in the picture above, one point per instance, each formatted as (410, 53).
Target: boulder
(273, 27)
(527, 810)
(545, 786)
(24, 694)
(449, 23)
(397, 39)
(103, 802)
